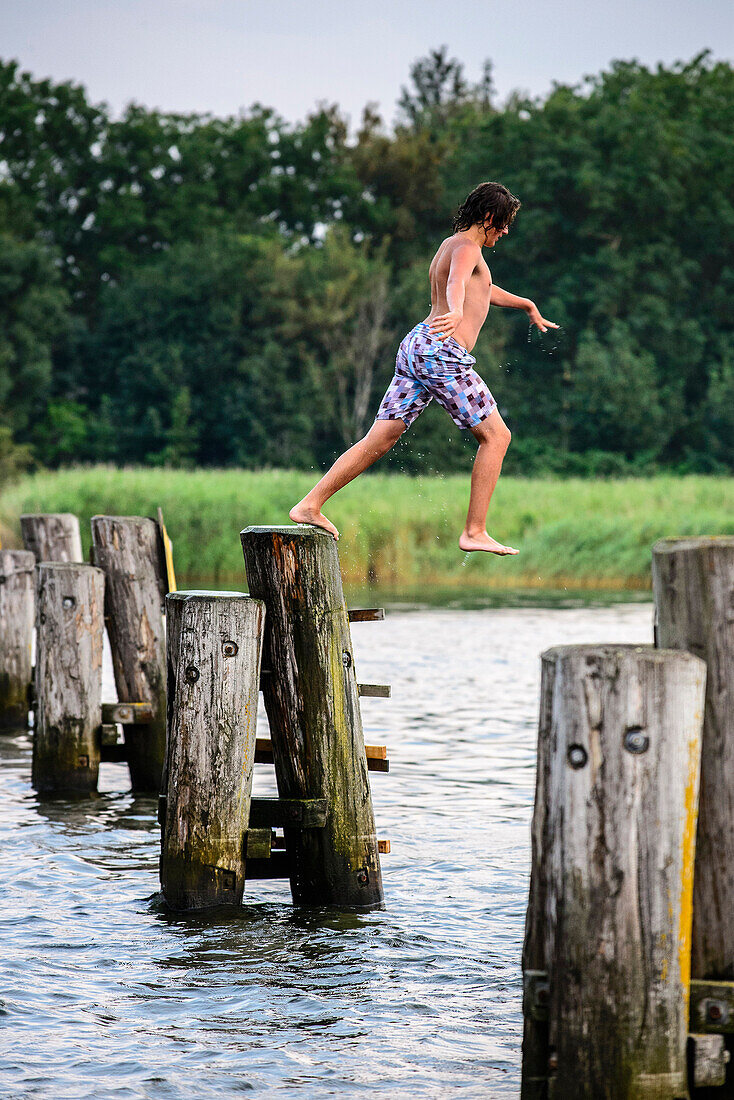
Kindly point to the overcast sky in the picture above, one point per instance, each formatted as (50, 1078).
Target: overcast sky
(223, 55)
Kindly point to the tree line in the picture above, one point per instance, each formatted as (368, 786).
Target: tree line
(182, 290)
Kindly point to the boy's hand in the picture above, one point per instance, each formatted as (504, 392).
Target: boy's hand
(535, 318)
(447, 324)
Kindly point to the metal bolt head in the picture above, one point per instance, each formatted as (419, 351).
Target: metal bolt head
(229, 649)
(67, 602)
(714, 1012)
(577, 756)
(363, 876)
(347, 659)
(636, 742)
(124, 713)
(191, 674)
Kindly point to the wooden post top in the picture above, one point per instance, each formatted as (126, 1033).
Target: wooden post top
(19, 558)
(124, 519)
(68, 566)
(708, 542)
(623, 649)
(47, 515)
(292, 530)
(202, 594)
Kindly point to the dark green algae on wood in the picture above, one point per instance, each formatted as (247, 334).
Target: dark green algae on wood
(312, 702)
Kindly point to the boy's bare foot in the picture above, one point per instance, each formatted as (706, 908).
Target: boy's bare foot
(304, 513)
(484, 542)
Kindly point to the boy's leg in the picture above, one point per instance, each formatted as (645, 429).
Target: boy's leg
(383, 435)
(494, 439)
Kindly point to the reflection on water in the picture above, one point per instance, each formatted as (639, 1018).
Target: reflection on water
(106, 994)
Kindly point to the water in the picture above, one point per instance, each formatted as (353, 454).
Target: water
(106, 995)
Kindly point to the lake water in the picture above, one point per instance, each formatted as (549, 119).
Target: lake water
(106, 995)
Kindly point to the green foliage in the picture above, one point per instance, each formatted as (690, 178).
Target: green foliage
(398, 531)
(182, 289)
(15, 458)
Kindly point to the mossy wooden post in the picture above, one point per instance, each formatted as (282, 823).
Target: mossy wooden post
(129, 550)
(52, 536)
(214, 649)
(609, 922)
(310, 690)
(69, 634)
(693, 581)
(17, 596)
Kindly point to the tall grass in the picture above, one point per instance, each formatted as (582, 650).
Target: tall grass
(399, 531)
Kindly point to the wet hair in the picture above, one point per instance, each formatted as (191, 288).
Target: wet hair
(488, 200)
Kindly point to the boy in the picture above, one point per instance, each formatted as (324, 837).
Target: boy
(434, 361)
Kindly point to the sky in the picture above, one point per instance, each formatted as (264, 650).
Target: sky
(221, 56)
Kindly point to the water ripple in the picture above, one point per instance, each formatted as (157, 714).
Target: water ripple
(106, 995)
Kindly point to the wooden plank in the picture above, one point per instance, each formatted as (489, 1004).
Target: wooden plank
(107, 734)
(214, 647)
(712, 1007)
(69, 636)
(619, 751)
(366, 614)
(298, 813)
(693, 583)
(258, 843)
(376, 755)
(710, 1059)
(128, 713)
(375, 691)
(313, 709)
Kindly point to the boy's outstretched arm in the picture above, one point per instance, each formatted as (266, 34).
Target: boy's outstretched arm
(500, 297)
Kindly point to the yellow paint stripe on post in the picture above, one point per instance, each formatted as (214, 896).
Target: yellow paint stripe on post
(167, 552)
(688, 856)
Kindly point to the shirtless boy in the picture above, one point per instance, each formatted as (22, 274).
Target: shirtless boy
(434, 361)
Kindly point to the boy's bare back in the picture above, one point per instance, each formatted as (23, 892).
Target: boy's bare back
(469, 264)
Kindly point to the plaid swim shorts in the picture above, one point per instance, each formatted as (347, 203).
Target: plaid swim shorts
(428, 367)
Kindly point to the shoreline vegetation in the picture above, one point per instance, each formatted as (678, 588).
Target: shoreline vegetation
(399, 533)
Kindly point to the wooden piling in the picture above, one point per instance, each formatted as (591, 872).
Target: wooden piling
(52, 536)
(312, 702)
(606, 956)
(17, 596)
(68, 717)
(214, 649)
(693, 581)
(130, 551)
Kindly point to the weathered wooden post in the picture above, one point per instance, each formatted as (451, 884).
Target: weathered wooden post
(607, 947)
(693, 581)
(214, 649)
(311, 697)
(130, 551)
(17, 595)
(52, 536)
(69, 634)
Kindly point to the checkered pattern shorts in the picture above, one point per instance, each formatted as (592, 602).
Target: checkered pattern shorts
(427, 367)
